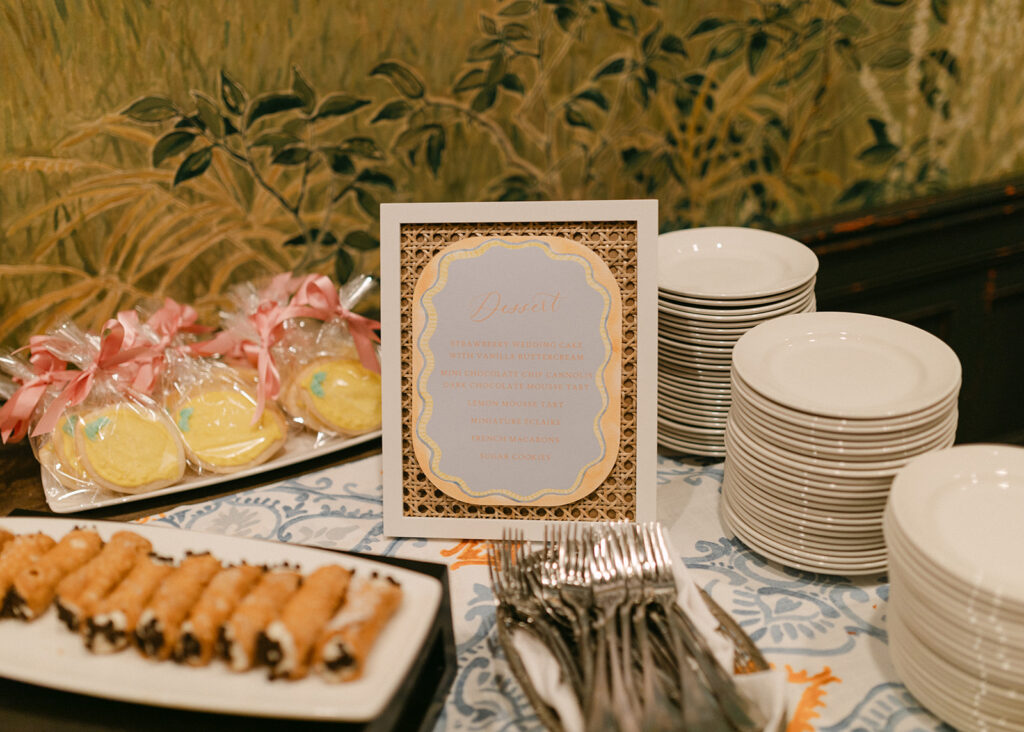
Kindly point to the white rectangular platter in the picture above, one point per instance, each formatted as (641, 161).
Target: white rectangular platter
(300, 447)
(46, 653)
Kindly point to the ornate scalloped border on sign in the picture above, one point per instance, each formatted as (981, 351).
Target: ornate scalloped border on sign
(616, 243)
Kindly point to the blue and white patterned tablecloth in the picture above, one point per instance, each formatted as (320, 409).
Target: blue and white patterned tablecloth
(828, 633)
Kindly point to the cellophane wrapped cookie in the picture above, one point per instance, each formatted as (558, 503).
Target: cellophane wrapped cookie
(96, 429)
(215, 408)
(330, 373)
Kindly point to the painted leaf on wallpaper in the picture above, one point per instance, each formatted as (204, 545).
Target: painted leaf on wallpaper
(194, 165)
(171, 144)
(405, 80)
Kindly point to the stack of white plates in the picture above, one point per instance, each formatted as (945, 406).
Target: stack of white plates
(715, 284)
(956, 610)
(827, 407)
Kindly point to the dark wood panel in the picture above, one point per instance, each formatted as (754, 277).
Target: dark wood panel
(952, 265)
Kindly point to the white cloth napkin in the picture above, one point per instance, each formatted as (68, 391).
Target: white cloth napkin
(764, 688)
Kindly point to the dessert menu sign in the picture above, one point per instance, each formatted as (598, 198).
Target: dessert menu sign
(504, 364)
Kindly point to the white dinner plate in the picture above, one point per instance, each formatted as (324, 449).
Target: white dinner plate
(300, 447)
(897, 426)
(675, 297)
(998, 661)
(806, 305)
(723, 330)
(863, 467)
(690, 448)
(825, 497)
(817, 517)
(847, 365)
(757, 469)
(732, 262)
(959, 707)
(723, 307)
(981, 694)
(990, 615)
(782, 525)
(44, 652)
(798, 464)
(715, 398)
(807, 561)
(963, 508)
(839, 445)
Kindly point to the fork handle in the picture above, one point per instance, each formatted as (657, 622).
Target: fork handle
(743, 715)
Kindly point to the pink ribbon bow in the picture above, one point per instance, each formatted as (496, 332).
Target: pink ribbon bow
(112, 354)
(16, 413)
(317, 297)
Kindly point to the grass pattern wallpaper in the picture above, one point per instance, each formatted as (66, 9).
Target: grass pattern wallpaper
(174, 147)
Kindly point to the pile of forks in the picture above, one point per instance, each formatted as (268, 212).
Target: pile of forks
(602, 599)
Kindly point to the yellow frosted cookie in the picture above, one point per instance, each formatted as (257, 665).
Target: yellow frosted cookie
(340, 394)
(129, 448)
(216, 424)
(66, 466)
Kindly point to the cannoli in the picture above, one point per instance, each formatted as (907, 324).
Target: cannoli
(220, 436)
(34, 588)
(237, 637)
(17, 555)
(346, 641)
(160, 623)
(78, 593)
(129, 447)
(5, 536)
(112, 625)
(341, 394)
(198, 639)
(285, 646)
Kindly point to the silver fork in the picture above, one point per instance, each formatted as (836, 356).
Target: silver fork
(524, 594)
(740, 713)
(610, 593)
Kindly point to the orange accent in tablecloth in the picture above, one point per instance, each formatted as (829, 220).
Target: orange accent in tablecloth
(147, 519)
(810, 699)
(470, 552)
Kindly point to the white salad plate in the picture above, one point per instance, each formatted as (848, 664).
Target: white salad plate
(847, 365)
(833, 498)
(45, 653)
(728, 262)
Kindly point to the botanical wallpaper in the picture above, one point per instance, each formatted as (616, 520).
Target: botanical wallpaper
(175, 147)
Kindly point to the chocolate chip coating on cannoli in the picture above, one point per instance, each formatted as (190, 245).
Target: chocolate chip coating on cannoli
(198, 638)
(80, 591)
(238, 636)
(17, 555)
(287, 643)
(160, 623)
(348, 638)
(112, 626)
(34, 588)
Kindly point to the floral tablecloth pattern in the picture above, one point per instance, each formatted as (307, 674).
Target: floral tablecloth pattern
(828, 633)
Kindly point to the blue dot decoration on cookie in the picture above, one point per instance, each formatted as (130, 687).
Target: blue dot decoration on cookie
(92, 429)
(184, 417)
(69, 425)
(316, 384)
